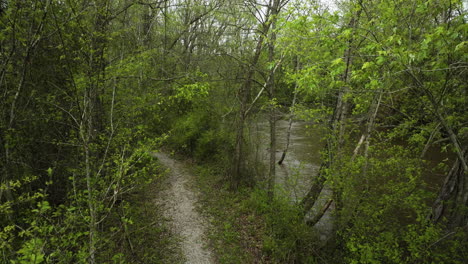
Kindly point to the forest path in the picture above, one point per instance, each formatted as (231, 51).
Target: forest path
(179, 203)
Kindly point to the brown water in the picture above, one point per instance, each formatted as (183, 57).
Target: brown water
(293, 178)
(301, 165)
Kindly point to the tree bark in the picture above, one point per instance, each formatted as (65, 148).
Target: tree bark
(288, 135)
(317, 185)
(272, 117)
(370, 127)
(453, 198)
(320, 214)
(244, 94)
(93, 114)
(336, 126)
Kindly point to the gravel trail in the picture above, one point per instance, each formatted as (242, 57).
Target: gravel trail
(178, 201)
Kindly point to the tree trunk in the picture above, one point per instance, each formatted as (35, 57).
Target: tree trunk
(452, 201)
(370, 127)
(288, 135)
(244, 94)
(453, 196)
(93, 114)
(272, 117)
(337, 128)
(320, 214)
(317, 185)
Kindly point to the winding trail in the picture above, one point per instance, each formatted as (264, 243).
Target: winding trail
(178, 201)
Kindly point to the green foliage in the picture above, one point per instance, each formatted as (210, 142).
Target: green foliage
(248, 228)
(383, 216)
(30, 252)
(236, 233)
(200, 132)
(318, 57)
(287, 238)
(138, 231)
(191, 92)
(89, 90)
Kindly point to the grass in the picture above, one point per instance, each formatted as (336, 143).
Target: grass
(147, 238)
(247, 228)
(237, 231)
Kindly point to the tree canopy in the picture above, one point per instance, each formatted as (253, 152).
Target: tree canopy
(88, 89)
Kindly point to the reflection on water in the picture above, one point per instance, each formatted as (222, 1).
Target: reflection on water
(293, 177)
(302, 159)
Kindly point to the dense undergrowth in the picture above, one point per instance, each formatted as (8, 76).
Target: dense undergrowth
(147, 237)
(247, 228)
(383, 216)
(89, 88)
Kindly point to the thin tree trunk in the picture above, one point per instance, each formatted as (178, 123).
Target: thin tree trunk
(370, 127)
(429, 141)
(453, 137)
(337, 128)
(93, 117)
(358, 146)
(244, 94)
(271, 55)
(291, 118)
(92, 209)
(452, 199)
(317, 185)
(320, 214)
(365, 138)
(272, 171)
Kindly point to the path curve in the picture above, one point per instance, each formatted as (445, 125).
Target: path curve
(179, 204)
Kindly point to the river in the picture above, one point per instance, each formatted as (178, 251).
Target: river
(302, 162)
(293, 177)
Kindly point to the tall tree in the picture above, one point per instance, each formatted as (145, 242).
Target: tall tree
(337, 121)
(267, 19)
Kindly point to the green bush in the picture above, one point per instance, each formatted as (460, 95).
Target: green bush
(288, 239)
(201, 136)
(384, 210)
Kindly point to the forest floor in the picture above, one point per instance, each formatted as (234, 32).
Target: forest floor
(179, 200)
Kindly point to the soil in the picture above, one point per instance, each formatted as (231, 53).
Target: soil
(179, 201)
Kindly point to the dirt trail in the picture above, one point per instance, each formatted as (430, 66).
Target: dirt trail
(179, 203)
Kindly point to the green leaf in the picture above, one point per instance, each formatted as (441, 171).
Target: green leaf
(337, 62)
(366, 65)
(380, 60)
(460, 46)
